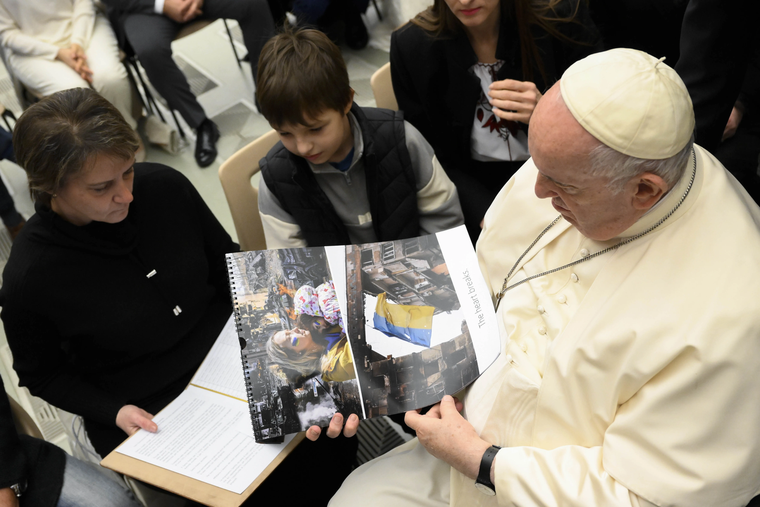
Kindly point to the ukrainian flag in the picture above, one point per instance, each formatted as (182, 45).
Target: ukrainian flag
(409, 322)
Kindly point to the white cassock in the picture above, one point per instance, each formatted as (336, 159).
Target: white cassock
(629, 379)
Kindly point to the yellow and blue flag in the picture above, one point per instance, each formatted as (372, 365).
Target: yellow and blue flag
(411, 323)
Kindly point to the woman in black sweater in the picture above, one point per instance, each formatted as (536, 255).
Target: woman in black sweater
(117, 288)
(454, 56)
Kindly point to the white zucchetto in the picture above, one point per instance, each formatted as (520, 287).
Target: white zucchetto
(630, 101)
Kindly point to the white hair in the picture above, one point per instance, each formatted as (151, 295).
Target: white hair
(620, 168)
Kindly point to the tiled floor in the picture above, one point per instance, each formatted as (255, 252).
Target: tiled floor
(226, 93)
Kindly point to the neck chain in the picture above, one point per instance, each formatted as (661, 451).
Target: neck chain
(505, 287)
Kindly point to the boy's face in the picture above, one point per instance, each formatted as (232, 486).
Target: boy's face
(327, 137)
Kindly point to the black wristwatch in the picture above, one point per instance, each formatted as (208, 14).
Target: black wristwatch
(19, 488)
(483, 482)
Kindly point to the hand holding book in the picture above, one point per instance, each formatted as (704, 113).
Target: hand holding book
(335, 427)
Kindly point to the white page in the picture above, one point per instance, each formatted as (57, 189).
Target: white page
(206, 437)
(473, 294)
(222, 370)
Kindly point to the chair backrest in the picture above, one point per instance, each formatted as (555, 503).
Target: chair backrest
(242, 197)
(23, 421)
(382, 88)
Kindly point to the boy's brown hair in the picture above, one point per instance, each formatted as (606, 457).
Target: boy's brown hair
(301, 74)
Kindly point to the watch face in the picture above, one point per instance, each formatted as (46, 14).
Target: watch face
(485, 489)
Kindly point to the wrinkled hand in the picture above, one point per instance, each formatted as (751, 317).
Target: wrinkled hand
(182, 11)
(514, 100)
(8, 498)
(448, 436)
(131, 418)
(75, 58)
(336, 424)
(733, 123)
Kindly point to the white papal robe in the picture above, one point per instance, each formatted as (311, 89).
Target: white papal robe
(629, 379)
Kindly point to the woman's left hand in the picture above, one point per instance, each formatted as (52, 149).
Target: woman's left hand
(336, 425)
(514, 100)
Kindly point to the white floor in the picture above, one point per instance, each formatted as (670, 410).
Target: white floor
(226, 93)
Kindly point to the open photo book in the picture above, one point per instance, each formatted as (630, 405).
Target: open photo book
(372, 329)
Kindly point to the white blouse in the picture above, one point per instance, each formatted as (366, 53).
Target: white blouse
(492, 138)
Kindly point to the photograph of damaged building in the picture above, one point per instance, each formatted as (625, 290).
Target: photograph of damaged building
(410, 272)
(281, 402)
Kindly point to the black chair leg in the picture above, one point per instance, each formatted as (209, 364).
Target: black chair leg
(377, 10)
(232, 43)
(176, 122)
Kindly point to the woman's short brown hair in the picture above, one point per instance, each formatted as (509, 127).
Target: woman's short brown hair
(58, 136)
(301, 74)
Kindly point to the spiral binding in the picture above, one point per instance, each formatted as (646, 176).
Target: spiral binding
(230, 259)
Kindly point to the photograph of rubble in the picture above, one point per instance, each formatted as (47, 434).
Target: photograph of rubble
(296, 357)
(409, 335)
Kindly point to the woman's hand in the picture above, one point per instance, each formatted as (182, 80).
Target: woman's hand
(513, 100)
(733, 123)
(336, 424)
(8, 498)
(131, 418)
(75, 58)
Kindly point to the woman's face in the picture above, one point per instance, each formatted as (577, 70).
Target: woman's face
(474, 13)
(100, 193)
(298, 340)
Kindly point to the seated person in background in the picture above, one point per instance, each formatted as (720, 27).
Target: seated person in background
(325, 14)
(54, 45)
(36, 473)
(629, 327)
(131, 264)
(469, 74)
(341, 173)
(148, 28)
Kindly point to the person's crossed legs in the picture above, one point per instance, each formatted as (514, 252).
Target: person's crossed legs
(151, 35)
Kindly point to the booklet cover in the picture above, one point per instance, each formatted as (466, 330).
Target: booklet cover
(372, 329)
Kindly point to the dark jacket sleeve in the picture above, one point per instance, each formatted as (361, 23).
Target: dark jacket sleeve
(749, 97)
(716, 39)
(13, 466)
(407, 96)
(131, 6)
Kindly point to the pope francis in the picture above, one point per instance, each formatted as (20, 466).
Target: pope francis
(624, 262)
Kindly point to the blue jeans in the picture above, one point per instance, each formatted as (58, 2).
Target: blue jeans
(85, 486)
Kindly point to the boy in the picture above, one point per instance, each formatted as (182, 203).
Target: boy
(341, 174)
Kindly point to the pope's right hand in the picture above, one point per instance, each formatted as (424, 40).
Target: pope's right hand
(131, 418)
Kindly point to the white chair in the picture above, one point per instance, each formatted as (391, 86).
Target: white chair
(242, 197)
(382, 88)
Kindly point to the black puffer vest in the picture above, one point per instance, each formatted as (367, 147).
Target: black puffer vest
(391, 184)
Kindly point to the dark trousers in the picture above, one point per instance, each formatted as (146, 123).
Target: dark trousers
(151, 35)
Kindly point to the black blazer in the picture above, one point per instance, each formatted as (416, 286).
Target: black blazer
(718, 42)
(437, 92)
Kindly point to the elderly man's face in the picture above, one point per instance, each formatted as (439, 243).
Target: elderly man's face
(560, 149)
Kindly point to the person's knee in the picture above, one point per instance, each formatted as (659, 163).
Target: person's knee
(152, 56)
(112, 84)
